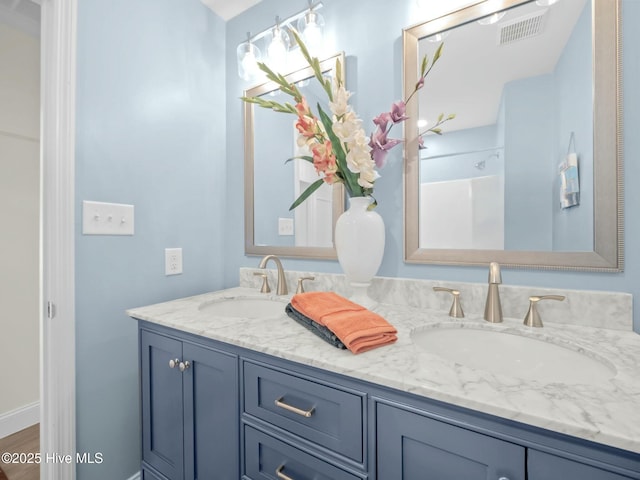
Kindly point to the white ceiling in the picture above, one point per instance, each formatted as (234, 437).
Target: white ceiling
(227, 9)
(469, 77)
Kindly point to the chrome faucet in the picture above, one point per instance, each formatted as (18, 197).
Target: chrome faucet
(281, 288)
(493, 308)
(532, 318)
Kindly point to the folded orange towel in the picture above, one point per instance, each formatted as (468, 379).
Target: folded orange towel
(358, 328)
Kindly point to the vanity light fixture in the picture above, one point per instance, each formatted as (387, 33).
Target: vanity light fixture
(438, 37)
(277, 41)
(248, 56)
(491, 19)
(278, 47)
(311, 25)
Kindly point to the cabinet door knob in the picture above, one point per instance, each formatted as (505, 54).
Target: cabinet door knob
(282, 476)
(296, 410)
(184, 365)
(173, 363)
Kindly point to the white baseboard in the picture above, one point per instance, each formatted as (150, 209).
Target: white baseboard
(19, 419)
(137, 476)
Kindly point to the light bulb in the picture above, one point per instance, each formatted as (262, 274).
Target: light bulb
(248, 56)
(277, 49)
(311, 25)
(249, 65)
(545, 3)
(491, 19)
(438, 37)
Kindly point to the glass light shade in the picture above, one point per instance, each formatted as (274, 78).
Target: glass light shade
(248, 56)
(277, 49)
(545, 3)
(438, 37)
(311, 25)
(491, 19)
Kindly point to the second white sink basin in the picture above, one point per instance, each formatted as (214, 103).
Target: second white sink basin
(244, 307)
(515, 355)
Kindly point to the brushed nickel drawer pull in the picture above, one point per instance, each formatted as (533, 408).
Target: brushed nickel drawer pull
(281, 475)
(303, 413)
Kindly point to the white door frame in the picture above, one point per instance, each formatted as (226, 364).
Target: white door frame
(57, 227)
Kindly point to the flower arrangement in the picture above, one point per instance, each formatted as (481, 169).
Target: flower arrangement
(340, 149)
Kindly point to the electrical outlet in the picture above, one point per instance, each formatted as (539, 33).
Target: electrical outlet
(172, 261)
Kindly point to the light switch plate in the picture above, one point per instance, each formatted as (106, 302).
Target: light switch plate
(285, 226)
(99, 218)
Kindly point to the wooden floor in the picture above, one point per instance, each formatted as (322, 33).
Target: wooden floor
(24, 441)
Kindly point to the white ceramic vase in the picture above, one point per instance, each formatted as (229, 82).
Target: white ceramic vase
(359, 239)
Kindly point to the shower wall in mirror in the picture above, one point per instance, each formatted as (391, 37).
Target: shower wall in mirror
(271, 186)
(528, 173)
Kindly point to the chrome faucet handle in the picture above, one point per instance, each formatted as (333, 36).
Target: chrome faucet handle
(495, 276)
(265, 282)
(300, 288)
(493, 306)
(456, 307)
(532, 318)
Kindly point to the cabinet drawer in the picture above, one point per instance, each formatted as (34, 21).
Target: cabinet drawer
(322, 414)
(269, 458)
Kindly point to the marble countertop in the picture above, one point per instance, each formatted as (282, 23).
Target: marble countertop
(606, 413)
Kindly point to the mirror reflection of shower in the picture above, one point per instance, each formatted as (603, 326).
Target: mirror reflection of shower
(470, 184)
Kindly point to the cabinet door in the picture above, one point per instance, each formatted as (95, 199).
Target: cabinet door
(543, 466)
(411, 446)
(162, 420)
(211, 414)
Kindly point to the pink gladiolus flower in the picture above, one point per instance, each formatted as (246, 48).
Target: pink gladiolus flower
(306, 126)
(380, 146)
(398, 110)
(382, 120)
(324, 161)
(303, 108)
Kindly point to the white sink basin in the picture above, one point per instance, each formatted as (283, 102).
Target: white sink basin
(244, 307)
(515, 355)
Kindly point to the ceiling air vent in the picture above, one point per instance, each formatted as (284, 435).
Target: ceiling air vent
(523, 27)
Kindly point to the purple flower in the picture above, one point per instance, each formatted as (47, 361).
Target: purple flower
(380, 146)
(420, 83)
(398, 110)
(382, 120)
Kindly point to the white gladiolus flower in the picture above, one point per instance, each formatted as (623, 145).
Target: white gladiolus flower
(348, 127)
(340, 105)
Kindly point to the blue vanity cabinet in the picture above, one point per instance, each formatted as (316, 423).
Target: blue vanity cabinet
(234, 413)
(544, 466)
(411, 446)
(189, 409)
